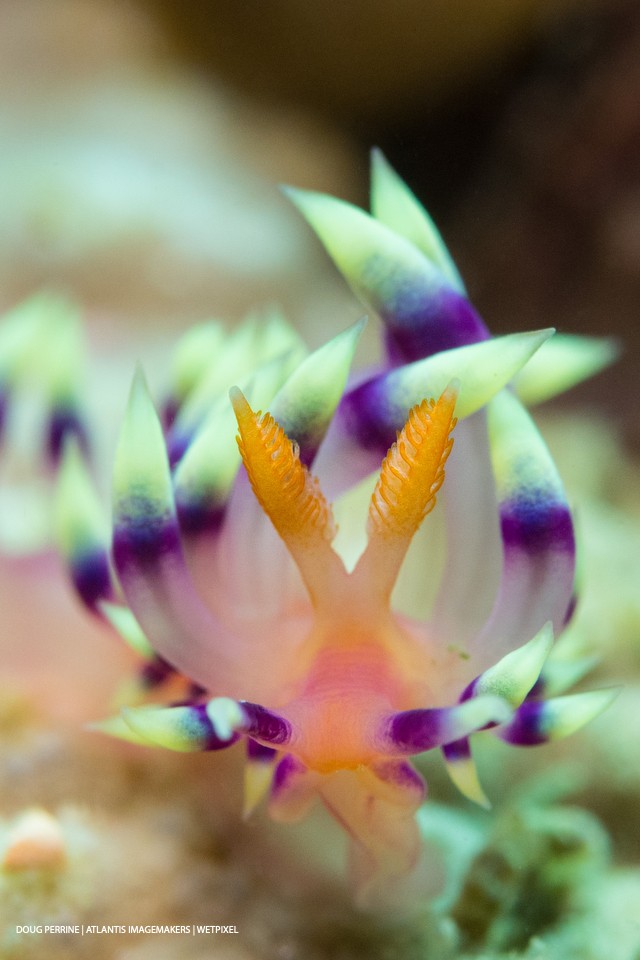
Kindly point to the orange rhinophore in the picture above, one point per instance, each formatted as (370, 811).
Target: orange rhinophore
(411, 475)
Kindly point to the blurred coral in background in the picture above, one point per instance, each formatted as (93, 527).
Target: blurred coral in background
(355, 62)
(137, 184)
(142, 147)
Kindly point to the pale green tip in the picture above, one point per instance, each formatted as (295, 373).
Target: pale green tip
(195, 352)
(513, 677)
(560, 675)
(258, 777)
(206, 472)
(565, 715)
(395, 205)
(142, 478)
(562, 363)
(124, 622)
(307, 401)
(522, 464)
(483, 369)
(464, 776)
(263, 339)
(355, 240)
(118, 728)
(174, 728)
(31, 331)
(80, 518)
(63, 356)
(342, 227)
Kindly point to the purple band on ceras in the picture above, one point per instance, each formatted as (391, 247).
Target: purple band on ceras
(536, 526)
(144, 540)
(526, 729)
(205, 731)
(91, 577)
(199, 516)
(142, 545)
(178, 441)
(202, 515)
(365, 413)
(460, 750)
(170, 410)
(64, 422)
(157, 671)
(414, 731)
(419, 326)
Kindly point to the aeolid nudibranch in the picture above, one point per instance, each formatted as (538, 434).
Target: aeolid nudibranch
(221, 568)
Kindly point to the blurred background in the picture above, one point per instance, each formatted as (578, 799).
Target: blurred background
(142, 144)
(143, 141)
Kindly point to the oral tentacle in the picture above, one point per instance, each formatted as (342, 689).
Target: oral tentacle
(376, 805)
(265, 726)
(294, 790)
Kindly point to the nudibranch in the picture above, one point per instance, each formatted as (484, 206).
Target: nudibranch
(223, 572)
